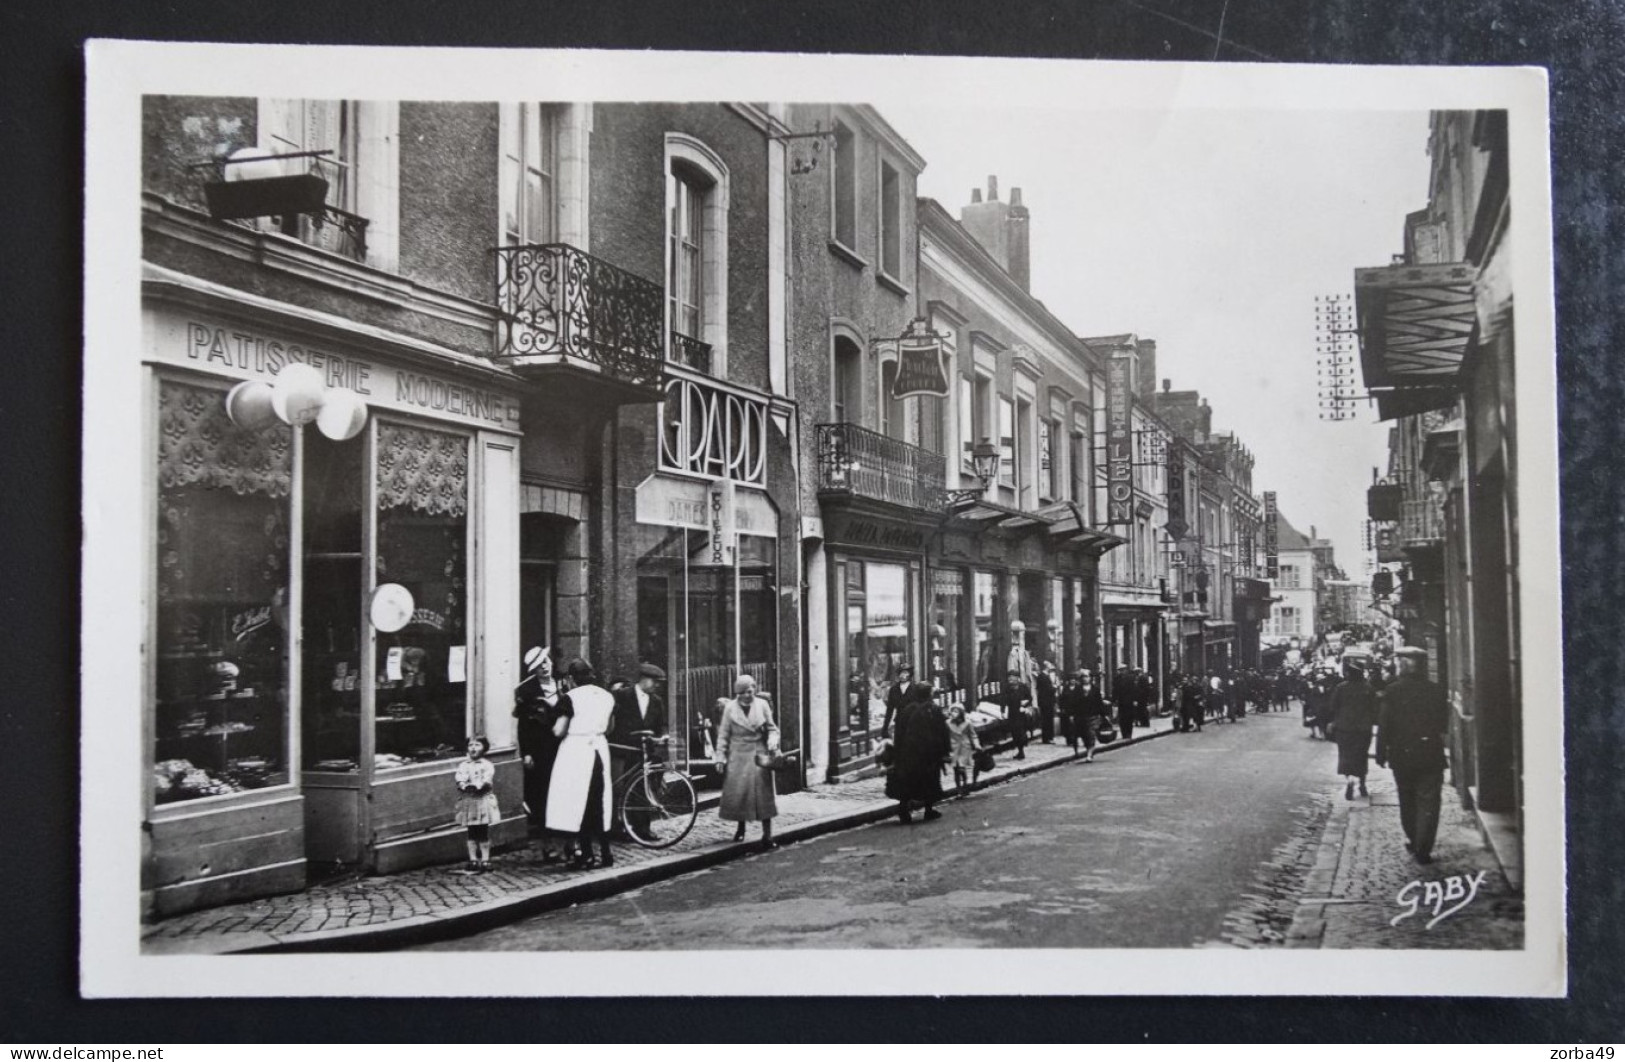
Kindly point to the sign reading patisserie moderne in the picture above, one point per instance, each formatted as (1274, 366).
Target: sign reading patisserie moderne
(248, 353)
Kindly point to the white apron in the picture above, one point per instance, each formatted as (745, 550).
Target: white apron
(572, 772)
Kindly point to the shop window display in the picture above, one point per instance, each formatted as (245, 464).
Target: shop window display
(422, 680)
(221, 654)
(877, 642)
(947, 620)
(986, 594)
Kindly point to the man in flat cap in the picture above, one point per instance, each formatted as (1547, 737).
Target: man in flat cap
(638, 709)
(1412, 720)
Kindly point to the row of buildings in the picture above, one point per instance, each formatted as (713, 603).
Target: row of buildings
(1436, 333)
(700, 385)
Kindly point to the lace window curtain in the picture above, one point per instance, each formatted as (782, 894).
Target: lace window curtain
(198, 445)
(422, 470)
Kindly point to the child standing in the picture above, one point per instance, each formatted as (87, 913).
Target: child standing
(477, 809)
(963, 744)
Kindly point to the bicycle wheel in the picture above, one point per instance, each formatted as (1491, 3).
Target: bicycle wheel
(660, 808)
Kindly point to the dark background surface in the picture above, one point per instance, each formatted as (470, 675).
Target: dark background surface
(42, 122)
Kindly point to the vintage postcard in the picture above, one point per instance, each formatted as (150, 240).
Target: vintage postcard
(599, 523)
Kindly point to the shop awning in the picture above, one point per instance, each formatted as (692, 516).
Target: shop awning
(1071, 530)
(1409, 401)
(991, 515)
(1414, 322)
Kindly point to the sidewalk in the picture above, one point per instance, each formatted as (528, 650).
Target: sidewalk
(1361, 869)
(431, 903)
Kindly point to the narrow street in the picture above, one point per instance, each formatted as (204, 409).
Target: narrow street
(1160, 845)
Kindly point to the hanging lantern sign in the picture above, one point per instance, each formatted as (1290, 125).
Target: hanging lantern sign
(920, 357)
(391, 607)
(297, 393)
(249, 405)
(343, 414)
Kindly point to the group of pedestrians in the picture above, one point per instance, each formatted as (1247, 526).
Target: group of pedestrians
(577, 736)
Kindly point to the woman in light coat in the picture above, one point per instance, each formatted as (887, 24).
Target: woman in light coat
(578, 799)
(746, 728)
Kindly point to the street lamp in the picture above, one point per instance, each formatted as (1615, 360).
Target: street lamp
(984, 459)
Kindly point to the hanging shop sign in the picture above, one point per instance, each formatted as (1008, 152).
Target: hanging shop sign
(1177, 527)
(1272, 556)
(920, 357)
(254, 354)
(671, 501)
(1119, 443)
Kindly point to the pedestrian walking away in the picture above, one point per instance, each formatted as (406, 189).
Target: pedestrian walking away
(1048, 687)
(578, 800)
(1124, 692)
(747, 728)
(535, 711)
(923, 746)
(1354, 714)
(477, 809)
(1412, 718)
(1080, 704)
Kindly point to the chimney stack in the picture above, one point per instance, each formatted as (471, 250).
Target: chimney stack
(1001, 229)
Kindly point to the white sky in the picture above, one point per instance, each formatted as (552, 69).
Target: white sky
(1210, 232)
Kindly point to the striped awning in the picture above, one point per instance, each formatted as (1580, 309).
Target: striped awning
(1415, 322)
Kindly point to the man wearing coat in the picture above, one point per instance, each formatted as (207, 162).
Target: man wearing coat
(637, 707)
(1125, 692)
(1413, 717)
(1046, 690)
(1017, 699)
(895, 695)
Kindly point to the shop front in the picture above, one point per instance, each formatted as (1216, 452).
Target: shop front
(332, 604)
(877, 585)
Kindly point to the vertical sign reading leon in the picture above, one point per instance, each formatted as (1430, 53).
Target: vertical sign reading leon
(1272, 559)
(1119, 443)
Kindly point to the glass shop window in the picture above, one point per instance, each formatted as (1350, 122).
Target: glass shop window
(422, 681)
(985, 603)
(221, 655)
(705, 623)
(947, 620)
(877, 641)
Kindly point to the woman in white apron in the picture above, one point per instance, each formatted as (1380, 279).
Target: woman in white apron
(578, 798)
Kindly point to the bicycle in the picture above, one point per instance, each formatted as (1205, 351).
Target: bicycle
(658, 803)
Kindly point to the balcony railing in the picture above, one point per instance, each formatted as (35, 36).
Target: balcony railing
(331, 229)
(686, 350)
(554, 300)
(860, 463)
(1421, 521)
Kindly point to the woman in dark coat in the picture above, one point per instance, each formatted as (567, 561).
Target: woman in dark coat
(1354, 714)
(536, 710)
(921, 748)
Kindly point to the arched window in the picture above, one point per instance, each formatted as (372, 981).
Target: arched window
(697, 254)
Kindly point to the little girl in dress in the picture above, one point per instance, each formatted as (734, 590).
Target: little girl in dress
(477, 802)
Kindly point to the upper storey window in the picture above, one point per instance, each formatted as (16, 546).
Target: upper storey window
(530, 173)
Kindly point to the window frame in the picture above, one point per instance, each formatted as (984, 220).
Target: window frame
(889, 245)
(686, 153)
(844, 179)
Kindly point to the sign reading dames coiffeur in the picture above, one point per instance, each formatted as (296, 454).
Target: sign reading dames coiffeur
(249, 354)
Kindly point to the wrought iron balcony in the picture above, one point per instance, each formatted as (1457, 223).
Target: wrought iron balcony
(331, 229)
(561, 307)
(1421, 521)
(857, 462)
(686, 350)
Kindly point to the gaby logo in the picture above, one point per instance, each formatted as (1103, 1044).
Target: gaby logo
(1458, 890)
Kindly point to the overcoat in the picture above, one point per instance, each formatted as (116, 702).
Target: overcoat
(747, 790)
(1354, 713)
(1412, 719)
(923, 742)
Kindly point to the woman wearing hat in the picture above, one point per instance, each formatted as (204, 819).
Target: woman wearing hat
(747, 728)
(1354, 716)
(536, 709)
